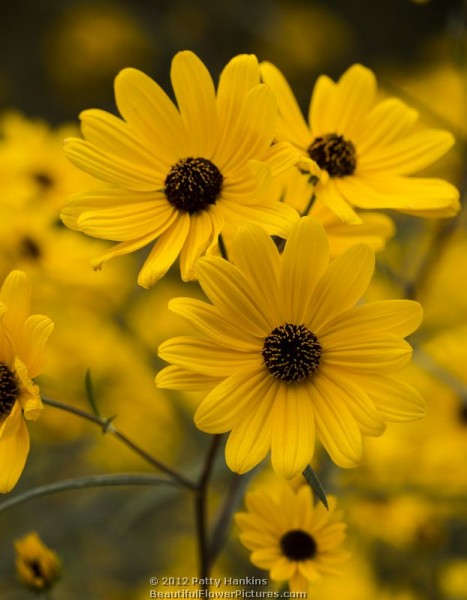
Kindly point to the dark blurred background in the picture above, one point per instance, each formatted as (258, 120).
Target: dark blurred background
(58, 57)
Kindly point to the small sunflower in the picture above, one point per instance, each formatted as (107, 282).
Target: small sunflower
(22, 356)
(367, 148)
(291, 537)
(180, 174)
(286, 353)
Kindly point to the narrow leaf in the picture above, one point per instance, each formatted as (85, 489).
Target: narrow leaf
(315, 484)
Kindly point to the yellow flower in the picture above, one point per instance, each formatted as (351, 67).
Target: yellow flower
(286, 353)
(290, 537)
(22, 357)
(367, 147)
(38, 566)
(34, 171)
(180, 175)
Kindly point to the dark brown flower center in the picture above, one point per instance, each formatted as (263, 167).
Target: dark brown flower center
(334, 154)
(9, 390)
(193, 184)
(43, 180)
(29, 248)
(298, 545)
(291, 352)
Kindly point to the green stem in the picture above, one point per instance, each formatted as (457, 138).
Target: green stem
(224, 519)
(309, 206)
(82, 483)
(222, 248)
(200, 502)
(107, 427)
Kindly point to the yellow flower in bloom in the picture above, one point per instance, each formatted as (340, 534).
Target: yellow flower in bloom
(179, 175)
(295, 540)
(37, 566)
(287, 353)
(22, 357)
(367, 147)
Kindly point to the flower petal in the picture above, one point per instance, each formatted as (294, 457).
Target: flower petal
(399, 317)
(206, 357)
(395, 400)
(31, 350)
(233, 400)
(149, 110)
(228, 289)
(177, 378)
(14, 450)
(16, 294)
(164, 251)
(341, 286)
(293, 430)
(250, 439)
(336, 427)
(196, 98)
(321, 114)
(304, 260)
(292, 126)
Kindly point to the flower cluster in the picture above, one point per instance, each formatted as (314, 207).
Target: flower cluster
(277, 219)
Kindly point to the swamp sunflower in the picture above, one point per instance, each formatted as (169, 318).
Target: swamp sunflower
(368, 148)
(180, 174)
(291, 537)
(287, 355)
(22, 357)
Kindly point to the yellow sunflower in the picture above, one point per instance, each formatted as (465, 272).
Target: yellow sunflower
(22, 356)
(291, 537)
(180, 174)
(286, 352)
(366, 147)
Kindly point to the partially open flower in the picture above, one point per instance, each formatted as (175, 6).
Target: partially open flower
(37, 566)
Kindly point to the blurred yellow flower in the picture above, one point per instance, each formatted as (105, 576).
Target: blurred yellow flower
(291, 537)
(22, 357)
(180, 175)
(37, 566)
(368, 148)
(35, 174)
(286, 352)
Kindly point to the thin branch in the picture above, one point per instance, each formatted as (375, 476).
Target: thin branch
(80, 483)
(200, 508)
(107, 427)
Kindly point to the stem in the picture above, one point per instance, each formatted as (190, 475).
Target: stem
(200, 509)
(82, 483)
(309, 205)
(224, 519)
(222, 248)
(107, 427)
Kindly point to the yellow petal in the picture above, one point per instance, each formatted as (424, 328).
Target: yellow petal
(206, 319)
(321, 114)
(341, 286)
(250, 439)
(395, 400)
(293, 430)
(399, 317)
(292, 126)
(206, 357)
(176, 378)
(304, 260)
(16, 294)
(164, 252)
(196, 98)
(336, 428)
(233, 400)
(31, 350)
(148, 109)
(14, 450)
(237, 78)
(231, 293)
